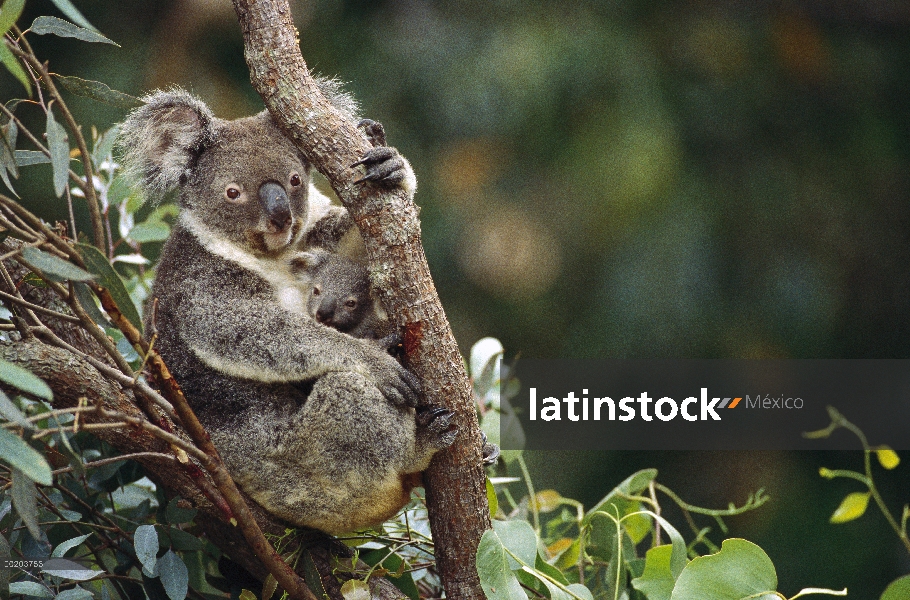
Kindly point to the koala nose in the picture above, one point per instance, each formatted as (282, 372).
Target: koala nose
(324, 314)
(275, 204)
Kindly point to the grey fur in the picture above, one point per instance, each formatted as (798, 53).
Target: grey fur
(339, 294)
(317, 426)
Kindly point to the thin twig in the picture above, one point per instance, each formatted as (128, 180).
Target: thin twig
(39, 309)
(91, 197)
(113, 459)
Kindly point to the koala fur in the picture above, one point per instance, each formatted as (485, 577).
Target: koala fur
(339, 295)
(318, 427)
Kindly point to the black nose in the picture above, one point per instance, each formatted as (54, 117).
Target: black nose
(275, 204)
(325, 313)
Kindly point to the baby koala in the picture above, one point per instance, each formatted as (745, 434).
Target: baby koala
(340, 296)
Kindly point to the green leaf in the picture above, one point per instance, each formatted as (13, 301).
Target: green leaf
(657, 581)
(13, 66)
(898, 590)
(176, 514)
(887, 457)
(519, 538)
(108, 278)
(853, 506)
(52, 265)
(104, 146)
(740, 570)
(16, 453)
(355, 589)
(247, 595)
(26, 158)
(76, 593)
(11, 412)
(25, 499)
(496, 578)
(67, 8)
(174, 575)
(9, 14)
(631, 486)
(58, 144)
(30, 588)
(492, 500)
(558, 591)
(145, 541)
(99, 91)
(179, 539)
(87, 301)
(24, 380)
(150, 231)
(68, 545)
(61, 28)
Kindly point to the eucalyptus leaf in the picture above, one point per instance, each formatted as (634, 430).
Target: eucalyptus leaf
(145, 541)
(108, 278)
(8, 151)
(16, 453)
(26, 158)
(58, 144)
(76, 593)
(174, 575)
(13, 66)
(67, 8)
(9, 14)
(25, 501)
(24, 380)
(64, 547)
(520, 540)
(52, 265)
(99, 91)
(87, 301)
(150, 231)
(30, 588)
(62, 28)
(898, 590)
(11, 412)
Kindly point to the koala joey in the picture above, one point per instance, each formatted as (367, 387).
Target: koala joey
(320, 428)
(339, 295)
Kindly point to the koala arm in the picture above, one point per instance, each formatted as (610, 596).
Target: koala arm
(256, 338)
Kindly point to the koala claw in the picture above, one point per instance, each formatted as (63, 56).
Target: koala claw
(374, 131)
(383, 165)
(490, 452)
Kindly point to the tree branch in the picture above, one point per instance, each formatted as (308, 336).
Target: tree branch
(388, 221)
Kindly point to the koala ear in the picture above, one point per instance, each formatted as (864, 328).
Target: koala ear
(309, 262)
(160, 142)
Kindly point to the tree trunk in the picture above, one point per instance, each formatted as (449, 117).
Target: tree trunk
(456, 495)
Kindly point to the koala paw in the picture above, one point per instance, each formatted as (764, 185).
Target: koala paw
(382, 164)
(435, 421)
(396, 383)
(374, 131)
(386, 166)
(489, 451)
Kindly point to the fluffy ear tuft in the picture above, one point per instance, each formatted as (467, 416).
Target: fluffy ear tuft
(309, 262)
(160, 142)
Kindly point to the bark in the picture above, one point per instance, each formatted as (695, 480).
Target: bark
(388, 222)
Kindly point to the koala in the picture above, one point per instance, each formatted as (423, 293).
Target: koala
(339, 295)
(320, 428)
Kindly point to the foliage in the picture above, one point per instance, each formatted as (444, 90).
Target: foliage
(619, 548)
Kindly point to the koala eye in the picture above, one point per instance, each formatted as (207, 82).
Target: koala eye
(232, 192)
(316, 290)
(295, 179)
(351, 303)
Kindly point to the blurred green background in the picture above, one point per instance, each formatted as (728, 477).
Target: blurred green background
(617, 179)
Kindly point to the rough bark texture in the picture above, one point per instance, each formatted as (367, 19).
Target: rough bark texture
(388, 222)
